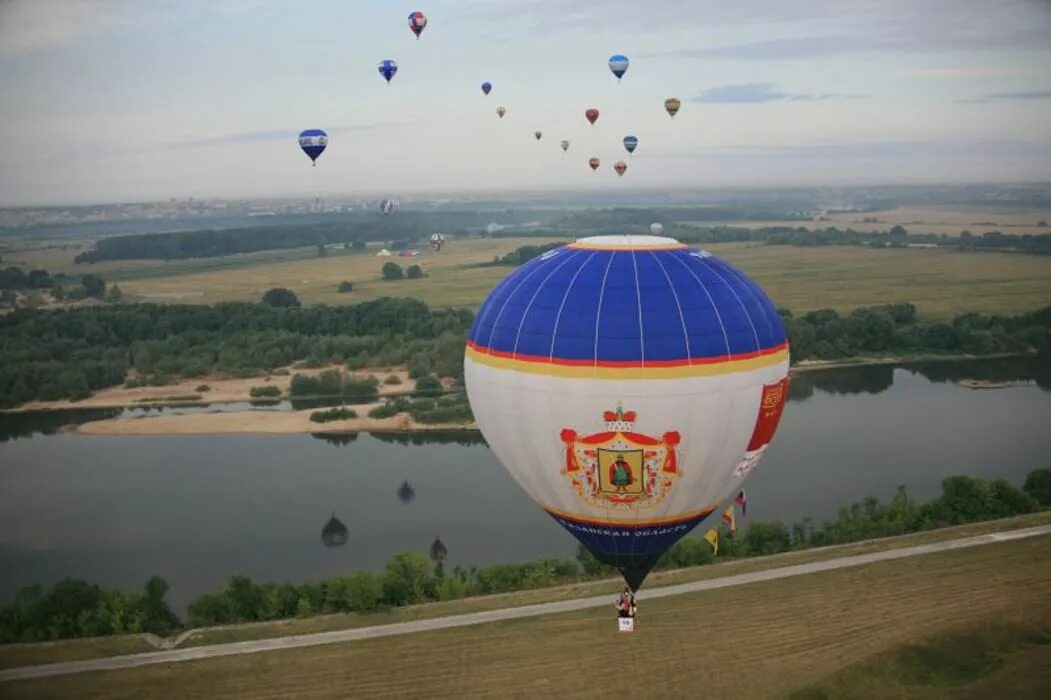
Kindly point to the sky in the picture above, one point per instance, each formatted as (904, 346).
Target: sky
(143, 100)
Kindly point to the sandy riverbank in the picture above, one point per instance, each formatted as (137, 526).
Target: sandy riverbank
(273, 422)
(219, 390)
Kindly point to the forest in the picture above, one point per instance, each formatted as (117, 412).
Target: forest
(67, 354)
(74, 608)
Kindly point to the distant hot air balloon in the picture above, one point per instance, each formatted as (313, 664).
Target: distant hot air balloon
(618, 65)
(591, 115)
(386, 206)
(417, 23)
(501, 111)
(313, 143)
(437, 241)
(672, 104)
(387, 68)
(638, 401)
(335, 533)
(620, 166)
(565, 145)
(487, 87)
(594, 163)
(406, 492)
(656, 228)
(631, 143)
(538, 135)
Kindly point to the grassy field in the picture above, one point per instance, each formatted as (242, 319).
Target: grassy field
(992, 660)
(941, 282)
(930, 219)
(51, 652)
(762, 640)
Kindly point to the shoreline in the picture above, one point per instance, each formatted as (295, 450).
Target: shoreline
(250, 421)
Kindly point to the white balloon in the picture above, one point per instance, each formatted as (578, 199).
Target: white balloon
(629, 384)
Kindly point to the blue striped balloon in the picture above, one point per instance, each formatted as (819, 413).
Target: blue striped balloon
(388, 67)
(631, 143)
(313, 143)
(629, 384)
(618, 65)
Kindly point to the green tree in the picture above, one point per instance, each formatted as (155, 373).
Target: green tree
(363, 592)
(345, 287)
(358, 245)
(93, 286)
(406, 578)
(280, 297)
(1038, 486)
(114, 295)
(428, 386)
(414, 272)
(392, 271)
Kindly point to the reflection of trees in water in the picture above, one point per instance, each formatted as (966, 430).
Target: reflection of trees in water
(871, 379)
(464, 438)
(335, 533)
(28, 423)
(1032, 368)
(340, 439)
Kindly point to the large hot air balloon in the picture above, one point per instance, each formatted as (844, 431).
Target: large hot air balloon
(620, 167)
(594, 163)
(591, 115)
(618, 65)
(313, 143)
(487, 87)
(565, 145)
(501, 111)
(417, 23)
(629, 384)
(539, 135)
(672, 105)
(386, 206)
(387, 68)
(631, 143)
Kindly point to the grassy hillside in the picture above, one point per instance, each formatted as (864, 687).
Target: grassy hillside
(762, 640)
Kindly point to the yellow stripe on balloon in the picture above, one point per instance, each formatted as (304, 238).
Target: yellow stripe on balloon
(707, 369)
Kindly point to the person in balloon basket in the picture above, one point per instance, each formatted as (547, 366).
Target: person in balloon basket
(626, 606)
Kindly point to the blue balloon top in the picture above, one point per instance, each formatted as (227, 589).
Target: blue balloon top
(313, 142)
(620, 301)
(618, 64)
(387, 68)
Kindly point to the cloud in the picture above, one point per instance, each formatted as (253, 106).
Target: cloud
(998, 96)
(875, 150)
(750, 93)
(27, 26)
(267, 135)
(960, 73)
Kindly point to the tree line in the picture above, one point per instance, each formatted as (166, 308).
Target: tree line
(74, 608)
(67, 354)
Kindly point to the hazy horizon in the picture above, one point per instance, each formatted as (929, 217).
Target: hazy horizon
(115, 101)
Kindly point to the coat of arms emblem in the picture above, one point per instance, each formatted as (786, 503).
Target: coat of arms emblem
(619, 468)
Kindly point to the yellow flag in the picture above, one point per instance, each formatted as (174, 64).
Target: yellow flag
(728, 516)
(713, 539)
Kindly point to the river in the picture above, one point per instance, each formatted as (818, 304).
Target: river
(197, 509)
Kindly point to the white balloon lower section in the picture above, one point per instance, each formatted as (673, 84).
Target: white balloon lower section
(522, 416)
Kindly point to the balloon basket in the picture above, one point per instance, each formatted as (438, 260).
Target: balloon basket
(625, 624)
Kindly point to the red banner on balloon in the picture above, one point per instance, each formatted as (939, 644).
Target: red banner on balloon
(770, 408)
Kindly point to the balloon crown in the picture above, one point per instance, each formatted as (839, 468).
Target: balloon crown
(619, 421)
